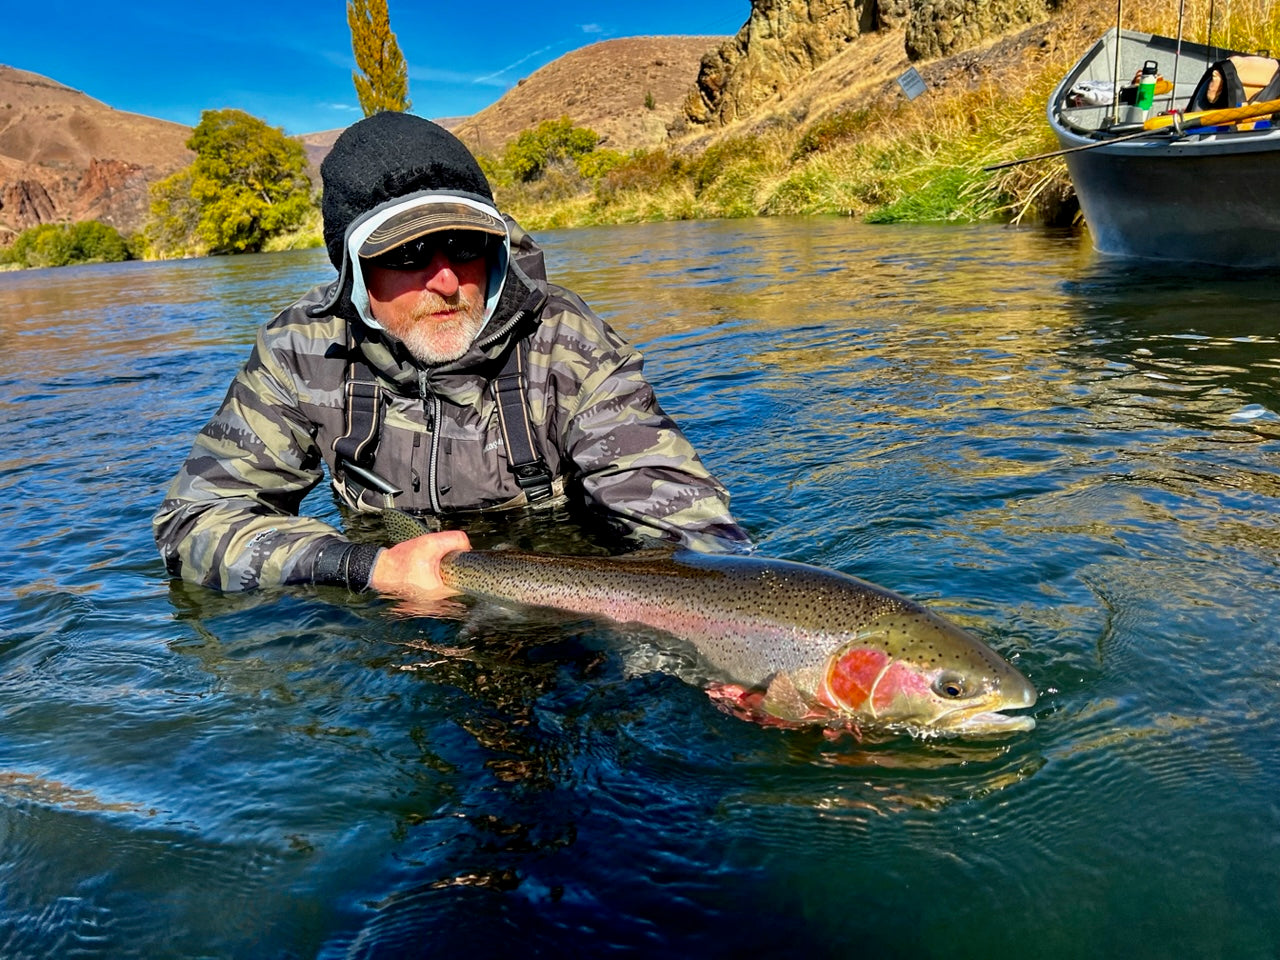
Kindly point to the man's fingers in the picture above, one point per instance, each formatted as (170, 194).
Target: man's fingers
(412, 569)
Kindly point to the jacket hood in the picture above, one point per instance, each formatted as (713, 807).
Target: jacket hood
(379, 163)
(422, 202)
(385, 157)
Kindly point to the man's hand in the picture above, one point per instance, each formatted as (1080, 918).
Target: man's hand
(411, 570)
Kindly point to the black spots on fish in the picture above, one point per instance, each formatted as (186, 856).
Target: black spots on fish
(913, 634)
(402, 526)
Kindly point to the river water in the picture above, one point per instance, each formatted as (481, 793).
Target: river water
(1077, 459)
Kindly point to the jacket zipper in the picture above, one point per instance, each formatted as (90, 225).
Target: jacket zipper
(502, 331)
(431, 406)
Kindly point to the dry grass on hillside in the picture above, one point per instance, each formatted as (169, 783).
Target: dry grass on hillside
(47, 124)
(846, 140)
(603, 87)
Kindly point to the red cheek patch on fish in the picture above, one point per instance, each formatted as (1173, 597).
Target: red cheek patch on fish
(852, 678)
(866, 681)
(899, 681)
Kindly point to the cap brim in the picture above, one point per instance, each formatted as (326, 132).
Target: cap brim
(429, 218)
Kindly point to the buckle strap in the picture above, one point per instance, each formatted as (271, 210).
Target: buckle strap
(531, 472)
(364, 420)
(363, 395)
(354, 450)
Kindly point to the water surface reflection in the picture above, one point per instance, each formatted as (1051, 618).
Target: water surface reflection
(1076, 461)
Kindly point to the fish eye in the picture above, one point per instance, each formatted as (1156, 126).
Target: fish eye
(950, 686)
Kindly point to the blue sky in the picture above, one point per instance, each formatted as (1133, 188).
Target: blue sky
(289, 61)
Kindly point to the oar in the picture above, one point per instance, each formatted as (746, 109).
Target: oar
(1213, 118)
(1174, 123)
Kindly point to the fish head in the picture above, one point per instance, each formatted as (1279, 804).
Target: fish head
(911, 670)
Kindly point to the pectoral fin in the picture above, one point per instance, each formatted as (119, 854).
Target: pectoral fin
(784, 701)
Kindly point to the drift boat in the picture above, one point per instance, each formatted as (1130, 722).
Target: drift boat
(1190, 178)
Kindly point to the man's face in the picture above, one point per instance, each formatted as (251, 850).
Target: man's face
(430, 293)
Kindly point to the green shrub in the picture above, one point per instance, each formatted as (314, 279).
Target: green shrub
(248, 183)
(598, 163)
(830, 130)
(648, 171)
(60, 245)
(529, 154)
(805, 190)
(719, 158)
(493, 169)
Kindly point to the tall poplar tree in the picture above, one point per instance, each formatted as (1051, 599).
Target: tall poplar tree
(383, 81)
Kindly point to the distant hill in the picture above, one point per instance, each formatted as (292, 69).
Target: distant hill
(604, 87)
(65, 156)
(319, 144)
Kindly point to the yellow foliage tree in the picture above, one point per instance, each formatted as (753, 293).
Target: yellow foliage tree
(383, 80)
(248, 184)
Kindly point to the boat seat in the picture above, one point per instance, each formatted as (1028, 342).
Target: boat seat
(1235, 81)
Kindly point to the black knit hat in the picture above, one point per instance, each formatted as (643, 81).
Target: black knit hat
(389, 155)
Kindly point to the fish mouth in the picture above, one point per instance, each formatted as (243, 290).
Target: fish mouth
(979, 722)
(988, 716)
(996, 722)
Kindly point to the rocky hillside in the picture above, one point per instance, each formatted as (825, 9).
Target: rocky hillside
(783, 44)
(66, 157)
(627, 90)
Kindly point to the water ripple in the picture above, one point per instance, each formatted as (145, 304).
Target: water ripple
(1077, 463)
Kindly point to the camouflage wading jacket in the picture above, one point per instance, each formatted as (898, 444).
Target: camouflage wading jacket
(229, 520)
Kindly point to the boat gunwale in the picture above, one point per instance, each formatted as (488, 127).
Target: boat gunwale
(1210, 141)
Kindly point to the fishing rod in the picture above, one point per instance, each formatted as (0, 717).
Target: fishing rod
(1115, 71)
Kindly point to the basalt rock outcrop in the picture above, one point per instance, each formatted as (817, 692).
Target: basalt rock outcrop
(27, 202)
(938, 28)
(784, 41)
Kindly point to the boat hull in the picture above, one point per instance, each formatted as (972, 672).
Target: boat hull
(1178, 204)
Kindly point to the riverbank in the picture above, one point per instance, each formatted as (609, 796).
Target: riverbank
(872, 154)
(864, 150)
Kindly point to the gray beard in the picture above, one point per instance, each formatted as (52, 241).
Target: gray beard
(434, 343)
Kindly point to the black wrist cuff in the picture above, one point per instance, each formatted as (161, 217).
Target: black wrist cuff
(347, 565)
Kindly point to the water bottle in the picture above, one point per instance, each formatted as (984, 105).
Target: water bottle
(1147, 86)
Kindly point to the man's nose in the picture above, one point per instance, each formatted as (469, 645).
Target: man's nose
(441, 278)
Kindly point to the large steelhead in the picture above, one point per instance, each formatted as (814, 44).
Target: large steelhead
(820, 646)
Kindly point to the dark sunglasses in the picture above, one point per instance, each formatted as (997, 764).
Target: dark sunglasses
(458, 246)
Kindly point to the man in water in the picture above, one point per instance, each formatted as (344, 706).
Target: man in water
(440, 373)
